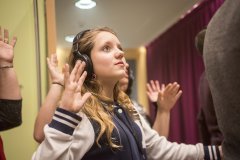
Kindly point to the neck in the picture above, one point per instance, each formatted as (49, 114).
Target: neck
(108, 89)
(108, 92)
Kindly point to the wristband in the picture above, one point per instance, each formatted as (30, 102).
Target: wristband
(58, 83)
(5, 67)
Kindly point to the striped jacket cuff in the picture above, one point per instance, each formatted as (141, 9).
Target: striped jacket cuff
(65, 121)
(212, 153)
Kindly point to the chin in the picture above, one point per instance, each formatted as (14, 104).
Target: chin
(120, 75)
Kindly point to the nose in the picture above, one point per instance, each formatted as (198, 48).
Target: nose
(119, 53)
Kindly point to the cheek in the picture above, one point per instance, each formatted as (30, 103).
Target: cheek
(101, 64)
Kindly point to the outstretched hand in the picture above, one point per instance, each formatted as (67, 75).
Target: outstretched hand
(72, 99)
(153, 88)
(168, 97)
(55, 73)
(6, 48)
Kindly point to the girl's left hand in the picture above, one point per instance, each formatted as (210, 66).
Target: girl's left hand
(72, 98)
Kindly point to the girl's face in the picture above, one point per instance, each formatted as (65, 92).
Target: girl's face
(108, 58)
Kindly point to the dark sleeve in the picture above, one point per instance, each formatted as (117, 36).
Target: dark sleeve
(10, 114)
(152, 119)
(208, 110)
(203, 130)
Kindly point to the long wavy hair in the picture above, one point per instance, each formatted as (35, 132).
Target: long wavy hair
(94, 108)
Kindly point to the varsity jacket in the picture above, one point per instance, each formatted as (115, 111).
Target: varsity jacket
(72, 136)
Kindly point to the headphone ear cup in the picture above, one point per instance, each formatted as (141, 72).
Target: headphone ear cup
(89, 66)
(87, 60)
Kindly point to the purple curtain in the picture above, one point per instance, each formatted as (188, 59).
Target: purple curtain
(172, 57)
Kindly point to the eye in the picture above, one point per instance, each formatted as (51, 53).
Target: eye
(106, 48)
(120, 48)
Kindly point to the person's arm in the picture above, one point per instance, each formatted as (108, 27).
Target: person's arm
(10, 95)
(48, 107)
(60, 142)
(158, 147)
(9, 87)
(208, 113)
(165, 99)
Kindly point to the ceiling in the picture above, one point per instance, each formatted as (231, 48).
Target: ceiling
(137, 22)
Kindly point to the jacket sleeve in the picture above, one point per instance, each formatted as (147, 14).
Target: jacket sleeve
(157, 147)
(10, 113)
(68, 136)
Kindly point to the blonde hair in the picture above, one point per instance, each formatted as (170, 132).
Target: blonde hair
(93, 108)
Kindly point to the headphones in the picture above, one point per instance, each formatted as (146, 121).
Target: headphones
(77, 55)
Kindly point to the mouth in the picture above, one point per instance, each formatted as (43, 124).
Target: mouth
(119, 63)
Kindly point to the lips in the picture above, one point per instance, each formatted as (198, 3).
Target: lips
(119, 63)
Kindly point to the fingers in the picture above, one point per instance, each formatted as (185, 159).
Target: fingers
(81, 80)
(176, 90)
(74, 71)
(6, 35)
(168, 87)
(13, 42)
(54, 59)
(162, 87)
(66, 73)
(178, 94)
(173, 89)
(149, 88)
(48, 62)
(1, 34)
(157, 85)
(83, 99)
(86, 96)
(80, 70)
(153, 85)
(77, 71)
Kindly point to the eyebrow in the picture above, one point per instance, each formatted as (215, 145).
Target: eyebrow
(110, 43)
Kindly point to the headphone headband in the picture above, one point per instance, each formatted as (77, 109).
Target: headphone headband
(83, 57)
(77, 38)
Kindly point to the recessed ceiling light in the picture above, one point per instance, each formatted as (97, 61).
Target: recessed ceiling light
(69, 38)
(85, 4)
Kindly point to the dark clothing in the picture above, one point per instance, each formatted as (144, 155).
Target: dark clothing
(208, 126)
(130, 140)
(221, 58)
(10, 117)
(10, 114)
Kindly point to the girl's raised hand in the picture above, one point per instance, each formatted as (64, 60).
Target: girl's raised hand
(72, 98)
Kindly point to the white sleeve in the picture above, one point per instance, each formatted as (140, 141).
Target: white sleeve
(68, 137)
(157, 147)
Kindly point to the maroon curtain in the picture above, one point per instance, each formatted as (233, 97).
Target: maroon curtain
(172, 57)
